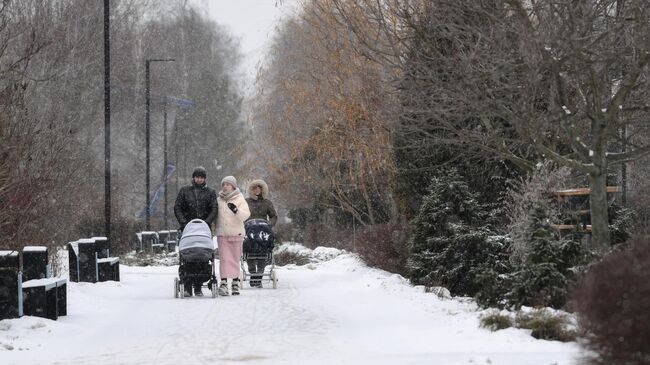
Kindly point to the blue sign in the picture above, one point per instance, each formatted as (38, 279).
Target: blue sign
(158, 193)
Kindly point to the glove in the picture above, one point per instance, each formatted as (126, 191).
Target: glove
(232, 207)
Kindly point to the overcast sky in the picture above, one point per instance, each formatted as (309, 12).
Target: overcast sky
(254, 22)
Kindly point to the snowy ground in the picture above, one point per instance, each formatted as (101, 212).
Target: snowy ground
(333, 312)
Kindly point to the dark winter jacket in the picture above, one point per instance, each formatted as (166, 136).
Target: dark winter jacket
(260, 206)
(194, 202)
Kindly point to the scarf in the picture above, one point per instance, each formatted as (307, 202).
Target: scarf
(227, 196)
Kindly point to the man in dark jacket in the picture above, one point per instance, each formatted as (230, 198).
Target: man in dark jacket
(196, 201)
(261, 208)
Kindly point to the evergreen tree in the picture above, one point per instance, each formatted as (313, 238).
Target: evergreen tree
(492, 278)
(450, 246)
(552, 264)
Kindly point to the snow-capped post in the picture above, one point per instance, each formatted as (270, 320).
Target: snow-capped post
(11, 294)
(102, 247)
(45, 298)
(36, 263)
(73, 261)
(108, 269)
(82, 262)
(89, 261)
(169, 240)
(163, 237)
(147, 134)
(149, 241)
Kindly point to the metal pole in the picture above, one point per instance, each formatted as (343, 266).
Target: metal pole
(620, 4)
(107, 121)
(165, 157)
(147, 131)
(624, 138)
(147, 134)
(176, 152)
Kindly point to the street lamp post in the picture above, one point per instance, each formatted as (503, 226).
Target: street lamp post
(107, 122)
(165, 156)
(147, 135)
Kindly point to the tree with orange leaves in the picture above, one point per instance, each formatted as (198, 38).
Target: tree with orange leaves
(324, 112)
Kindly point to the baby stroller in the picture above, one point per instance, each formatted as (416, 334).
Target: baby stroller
(258, 249)
(196, 258)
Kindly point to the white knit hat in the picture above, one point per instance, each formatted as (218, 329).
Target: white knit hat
(230, 180)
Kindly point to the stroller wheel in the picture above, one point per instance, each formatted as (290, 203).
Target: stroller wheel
(274, 279)
(176, 287)
(181, 290)
(214, 289)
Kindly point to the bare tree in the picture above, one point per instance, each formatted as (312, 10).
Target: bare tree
(553, 79)
(51, 111)
(30, 148)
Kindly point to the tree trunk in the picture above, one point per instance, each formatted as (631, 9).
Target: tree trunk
(599, 215)
(366, 197)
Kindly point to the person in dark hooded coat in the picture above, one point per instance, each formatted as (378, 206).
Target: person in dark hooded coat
(261, 208)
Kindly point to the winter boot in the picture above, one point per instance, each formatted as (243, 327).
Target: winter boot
(223, 288)
(197, 291)
(235, 287)
(256, 282)
(187, 291)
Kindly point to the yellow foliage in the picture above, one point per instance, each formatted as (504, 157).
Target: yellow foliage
(326, 112)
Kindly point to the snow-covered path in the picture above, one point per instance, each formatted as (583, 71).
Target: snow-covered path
(334, 312)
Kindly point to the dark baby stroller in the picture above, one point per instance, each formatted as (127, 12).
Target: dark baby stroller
(258, 251)
(196, 258)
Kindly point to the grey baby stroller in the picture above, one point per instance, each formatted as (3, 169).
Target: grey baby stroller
(258, 254)
(196, 259)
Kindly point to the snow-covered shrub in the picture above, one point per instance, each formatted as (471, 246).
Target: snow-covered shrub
(59, 261)
(492, 276)
(613, 303)
(532, 195)
(547, 325)
(550, 266)
(622, 226)
(148, 259)
(495, 321)
(449, 245)
(295, 254)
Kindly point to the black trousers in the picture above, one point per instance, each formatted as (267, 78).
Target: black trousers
(196, 283)
(256, 266)
(195, 274)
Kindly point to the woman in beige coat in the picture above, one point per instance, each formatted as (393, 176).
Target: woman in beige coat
(232, 212)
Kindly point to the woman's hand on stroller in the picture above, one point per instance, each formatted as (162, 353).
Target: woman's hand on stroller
(232, 207)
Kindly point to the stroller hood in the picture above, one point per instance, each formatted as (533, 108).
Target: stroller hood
(196, 235)
(259, 236)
